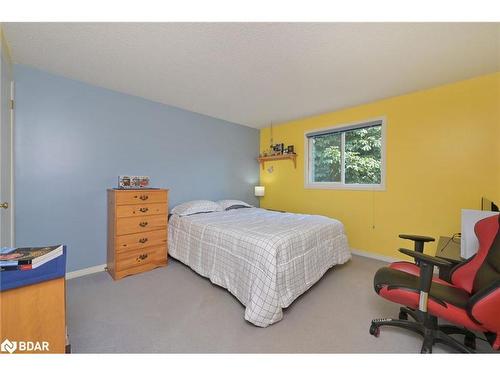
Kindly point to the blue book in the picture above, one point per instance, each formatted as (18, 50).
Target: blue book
(8, 264)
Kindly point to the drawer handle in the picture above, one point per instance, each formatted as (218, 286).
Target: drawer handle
(143, 240)
(144, 197)
(143, 224)
(144, 209)
(141, 257)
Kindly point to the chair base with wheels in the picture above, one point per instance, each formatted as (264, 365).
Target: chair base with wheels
(470, 300)
(431, 332)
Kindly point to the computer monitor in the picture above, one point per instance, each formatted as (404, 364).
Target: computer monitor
(487, 205)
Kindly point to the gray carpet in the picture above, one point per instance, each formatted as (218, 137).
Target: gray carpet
(174, 310)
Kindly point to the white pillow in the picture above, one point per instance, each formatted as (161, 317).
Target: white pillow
(195, 207)
(226, 204)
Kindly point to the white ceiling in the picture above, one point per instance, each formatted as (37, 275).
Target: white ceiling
(255, 73)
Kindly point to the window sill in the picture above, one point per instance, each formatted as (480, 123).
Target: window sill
(339, 186)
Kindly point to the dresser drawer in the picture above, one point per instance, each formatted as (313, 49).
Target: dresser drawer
(127, 225)
(141, 209)
(138, 197)
(154, 256)
(129, 242)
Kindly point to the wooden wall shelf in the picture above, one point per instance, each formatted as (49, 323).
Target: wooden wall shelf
(293, 157)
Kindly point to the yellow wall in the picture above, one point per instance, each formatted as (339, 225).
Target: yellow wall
(443, 154)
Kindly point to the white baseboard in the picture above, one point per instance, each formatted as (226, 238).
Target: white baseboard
(85, 271)
(367, 254)
(101, 267)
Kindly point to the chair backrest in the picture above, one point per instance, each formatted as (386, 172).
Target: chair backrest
(489, 272)
(483, 268)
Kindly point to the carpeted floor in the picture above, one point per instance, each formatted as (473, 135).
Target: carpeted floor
(174, 310)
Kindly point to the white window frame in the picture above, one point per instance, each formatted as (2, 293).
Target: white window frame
(308, 159)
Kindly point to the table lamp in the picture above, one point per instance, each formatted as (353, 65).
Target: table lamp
(259, 191)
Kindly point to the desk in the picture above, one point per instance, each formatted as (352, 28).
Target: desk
(35, 313)
(33, 308)
(448, 248)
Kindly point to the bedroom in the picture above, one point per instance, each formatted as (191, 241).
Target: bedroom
(378, 130)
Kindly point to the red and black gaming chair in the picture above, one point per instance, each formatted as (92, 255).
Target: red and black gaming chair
(470, 299)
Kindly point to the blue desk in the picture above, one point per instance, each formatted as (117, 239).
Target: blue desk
(51, 270)
(34, 307)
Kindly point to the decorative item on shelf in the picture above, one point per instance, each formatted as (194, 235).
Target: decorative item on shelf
(133, 182)
(278, 149)
(259, 191)
(124, 182)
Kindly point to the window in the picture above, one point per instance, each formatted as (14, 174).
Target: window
(347, 157)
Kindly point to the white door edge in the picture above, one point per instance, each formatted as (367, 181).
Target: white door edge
(12, 191)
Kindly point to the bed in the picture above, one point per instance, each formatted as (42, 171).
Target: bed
(266, 259)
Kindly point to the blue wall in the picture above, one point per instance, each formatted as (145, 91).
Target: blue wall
(72, 140)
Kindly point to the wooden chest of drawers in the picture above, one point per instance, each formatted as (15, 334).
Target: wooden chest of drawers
(137, 231)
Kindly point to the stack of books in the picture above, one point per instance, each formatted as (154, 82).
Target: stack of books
(27, 258)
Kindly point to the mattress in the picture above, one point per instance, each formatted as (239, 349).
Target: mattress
(266, 259)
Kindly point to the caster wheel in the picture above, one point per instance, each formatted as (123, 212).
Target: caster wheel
(375, 331)
(403, 315)
(426, 351)
(470, 341)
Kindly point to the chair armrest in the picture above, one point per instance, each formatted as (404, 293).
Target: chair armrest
(424, 258)
(418, 240)
(414, 237)
(453, 262)
(426, 264)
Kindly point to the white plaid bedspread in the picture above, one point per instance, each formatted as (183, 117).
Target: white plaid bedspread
(266, 259)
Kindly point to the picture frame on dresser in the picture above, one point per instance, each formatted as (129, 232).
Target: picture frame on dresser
(137, 231)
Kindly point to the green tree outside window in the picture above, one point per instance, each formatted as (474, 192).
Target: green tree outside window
(362, 156)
